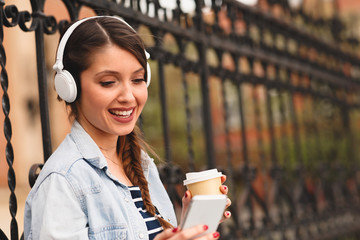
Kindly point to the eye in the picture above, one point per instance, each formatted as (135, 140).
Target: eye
(106, 83)
(139, 80)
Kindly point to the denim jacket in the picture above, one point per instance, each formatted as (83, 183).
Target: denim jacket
(76, 197)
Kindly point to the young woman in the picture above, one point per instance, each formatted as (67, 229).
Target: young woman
(100, 183)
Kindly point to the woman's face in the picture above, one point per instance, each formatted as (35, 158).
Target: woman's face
(113, 93)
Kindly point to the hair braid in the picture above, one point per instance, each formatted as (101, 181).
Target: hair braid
(130, 149)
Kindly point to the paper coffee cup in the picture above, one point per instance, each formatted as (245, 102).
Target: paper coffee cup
(206, 182)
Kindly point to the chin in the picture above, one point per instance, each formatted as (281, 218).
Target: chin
(121, 129)
(124, 132)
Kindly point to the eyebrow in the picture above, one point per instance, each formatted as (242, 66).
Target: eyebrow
(139, 70)
(115, 72)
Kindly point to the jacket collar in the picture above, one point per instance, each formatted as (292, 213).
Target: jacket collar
(92, 153)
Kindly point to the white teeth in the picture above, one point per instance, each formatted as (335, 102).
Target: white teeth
(122, 114)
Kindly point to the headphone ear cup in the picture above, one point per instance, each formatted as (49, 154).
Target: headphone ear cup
(65, 86)
(148, 70)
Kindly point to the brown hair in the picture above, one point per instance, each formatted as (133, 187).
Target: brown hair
(130, 146)
(89, 37)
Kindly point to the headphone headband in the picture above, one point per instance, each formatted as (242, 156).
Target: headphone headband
(58, 66)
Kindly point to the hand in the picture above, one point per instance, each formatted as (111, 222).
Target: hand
(177, 234)
(224, 189)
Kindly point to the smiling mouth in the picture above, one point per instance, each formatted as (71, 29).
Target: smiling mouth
(122, 114)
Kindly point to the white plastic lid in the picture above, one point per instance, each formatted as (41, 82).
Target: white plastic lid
(193, 177)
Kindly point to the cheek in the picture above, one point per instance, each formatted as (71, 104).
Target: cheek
(142, 97)
(93, 99)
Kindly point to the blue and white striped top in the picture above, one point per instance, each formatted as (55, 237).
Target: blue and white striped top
(153, 225)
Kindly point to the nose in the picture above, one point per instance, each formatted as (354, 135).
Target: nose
(125, 93)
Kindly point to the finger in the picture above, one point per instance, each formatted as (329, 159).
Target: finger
(223, 179)
(186, 199)
(224, 189)
(166, 234)
(227, 215)
(214, 235)
(228, 203)
(190, 233)
(185, 203)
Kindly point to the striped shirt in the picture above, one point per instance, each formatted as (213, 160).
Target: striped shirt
(153, 225)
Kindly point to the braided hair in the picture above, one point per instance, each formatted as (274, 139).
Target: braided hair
(129, 149)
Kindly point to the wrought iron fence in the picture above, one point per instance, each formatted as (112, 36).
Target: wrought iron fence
(271, 101)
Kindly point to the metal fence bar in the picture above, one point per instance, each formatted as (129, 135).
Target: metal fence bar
(9, 153)
(43, 87)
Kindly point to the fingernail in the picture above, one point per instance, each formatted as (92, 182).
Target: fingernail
(227, 214)
(205, 227)
(216, 234)
(174, 230)
(186, 195)
(225, 187)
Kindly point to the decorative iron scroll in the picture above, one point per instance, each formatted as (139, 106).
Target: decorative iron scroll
(266, 99)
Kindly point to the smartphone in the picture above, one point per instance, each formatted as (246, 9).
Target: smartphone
(206, 210)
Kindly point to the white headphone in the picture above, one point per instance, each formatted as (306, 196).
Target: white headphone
(64, 82)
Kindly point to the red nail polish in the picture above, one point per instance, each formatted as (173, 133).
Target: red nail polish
(227, 214)
(225, 187)
(205, 227)
(186, 195)
(216, 235)
(175, 230)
